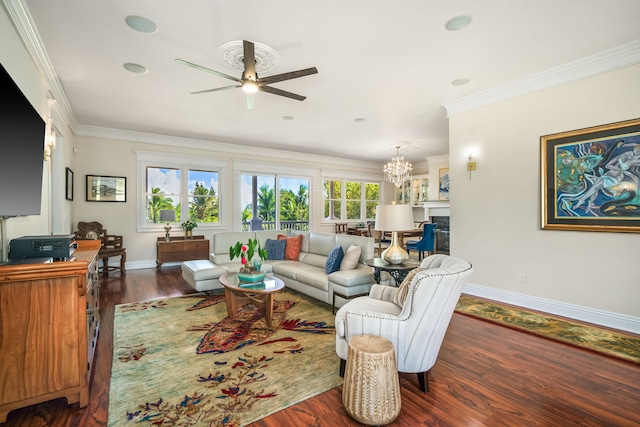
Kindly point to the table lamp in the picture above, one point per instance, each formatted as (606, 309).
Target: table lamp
(394, 218)
(168, 216)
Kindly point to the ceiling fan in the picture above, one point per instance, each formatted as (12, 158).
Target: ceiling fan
(250, 82)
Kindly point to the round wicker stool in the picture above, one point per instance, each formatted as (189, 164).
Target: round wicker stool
(371, 391)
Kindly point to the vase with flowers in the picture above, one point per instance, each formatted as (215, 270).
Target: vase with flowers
(188, 227)
(250, 270)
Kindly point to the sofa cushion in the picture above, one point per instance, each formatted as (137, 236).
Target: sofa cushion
(403, 289)
(351, 257)
(333, 260)
(275, 248)
(292, 249)
(314, 277)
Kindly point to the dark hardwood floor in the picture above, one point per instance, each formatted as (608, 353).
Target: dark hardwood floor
(486, 375)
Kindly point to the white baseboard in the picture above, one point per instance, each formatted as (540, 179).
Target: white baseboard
(585, 314)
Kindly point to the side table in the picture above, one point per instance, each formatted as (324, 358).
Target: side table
(397, 271)
(371, 390)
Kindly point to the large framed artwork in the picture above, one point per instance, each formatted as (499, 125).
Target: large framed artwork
(591, 178)
(443, 184)
(106, 188)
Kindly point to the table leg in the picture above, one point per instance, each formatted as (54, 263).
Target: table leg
(232, 303)
(376, 275)
(268, 309)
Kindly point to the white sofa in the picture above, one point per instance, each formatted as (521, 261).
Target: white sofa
(306, 275)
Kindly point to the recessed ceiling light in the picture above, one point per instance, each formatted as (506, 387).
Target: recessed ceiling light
(460, 82)
(359, 120)
(135, 68)
(141, 24)
(457, 23)
(287, 118)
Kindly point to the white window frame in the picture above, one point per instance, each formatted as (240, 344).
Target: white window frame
(363, 180)
(185, 163)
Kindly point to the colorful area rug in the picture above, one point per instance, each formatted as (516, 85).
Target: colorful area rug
(612, 343)
(182, 362)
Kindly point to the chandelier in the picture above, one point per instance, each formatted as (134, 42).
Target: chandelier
(397, 171)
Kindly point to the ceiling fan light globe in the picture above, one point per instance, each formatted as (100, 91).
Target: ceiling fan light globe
(250, 87)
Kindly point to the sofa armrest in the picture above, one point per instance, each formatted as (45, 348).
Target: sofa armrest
(357, 276)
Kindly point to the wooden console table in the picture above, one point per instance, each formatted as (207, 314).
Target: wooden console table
(180, 249)
(48, 329)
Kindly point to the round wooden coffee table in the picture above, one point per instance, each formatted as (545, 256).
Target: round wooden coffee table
(238, 294)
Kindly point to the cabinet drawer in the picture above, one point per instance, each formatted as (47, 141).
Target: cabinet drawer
(171, 246)
(196, 245)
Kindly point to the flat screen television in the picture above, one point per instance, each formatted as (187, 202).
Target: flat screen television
(22, 151)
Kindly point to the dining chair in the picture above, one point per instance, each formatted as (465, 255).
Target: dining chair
(378, 240)
(341, 227)
(426, 244)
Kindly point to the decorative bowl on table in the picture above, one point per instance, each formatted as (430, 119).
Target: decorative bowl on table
(256, 276)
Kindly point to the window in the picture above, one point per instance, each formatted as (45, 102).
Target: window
(284, 209)
(350, 200)
(164, 187)
(184, 184)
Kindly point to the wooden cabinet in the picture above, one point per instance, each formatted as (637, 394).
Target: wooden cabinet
(44, 350)
(93, 311)
(179, 249)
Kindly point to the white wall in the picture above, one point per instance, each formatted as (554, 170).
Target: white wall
(116, 156)
(19, 64)
(495, 215)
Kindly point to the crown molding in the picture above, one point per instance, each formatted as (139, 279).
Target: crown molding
(608, 60)
(233, 149)
(19, 14)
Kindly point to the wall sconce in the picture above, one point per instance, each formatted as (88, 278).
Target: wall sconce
(471, 166)
(50, 142)
(49, 133)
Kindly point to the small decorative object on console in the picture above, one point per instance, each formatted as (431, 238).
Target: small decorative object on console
(188, 227)
(250, 271)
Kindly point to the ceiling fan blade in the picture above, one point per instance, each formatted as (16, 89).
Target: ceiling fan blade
(251, 100)
(216, 89)
(288, 76)
(280, 92)
(249, 60)
(208, 70)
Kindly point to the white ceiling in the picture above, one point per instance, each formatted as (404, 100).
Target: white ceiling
(391, 63)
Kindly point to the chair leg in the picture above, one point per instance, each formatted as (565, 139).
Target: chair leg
(123, 260)
(343, 365)
(423, 381)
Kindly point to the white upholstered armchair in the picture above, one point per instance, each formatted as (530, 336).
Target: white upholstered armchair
(414, 316)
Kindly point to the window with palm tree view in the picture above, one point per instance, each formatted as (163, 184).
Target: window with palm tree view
(193, 194)
(350, 200)
(264, 208)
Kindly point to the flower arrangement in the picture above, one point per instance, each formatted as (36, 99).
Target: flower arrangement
(189, 225)
(246, 253)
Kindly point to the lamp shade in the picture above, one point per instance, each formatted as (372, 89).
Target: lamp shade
(167, 215)
(394, 218)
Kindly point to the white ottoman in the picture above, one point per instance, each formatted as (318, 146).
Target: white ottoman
(202, 274)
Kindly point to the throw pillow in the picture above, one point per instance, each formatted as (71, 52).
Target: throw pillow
(275, 248)
(351, 257)
(403, 290)
(333, 260)
(292, 249)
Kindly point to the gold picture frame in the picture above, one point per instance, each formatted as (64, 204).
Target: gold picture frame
(590, 178)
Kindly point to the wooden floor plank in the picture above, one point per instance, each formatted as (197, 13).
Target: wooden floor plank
(486, 375)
